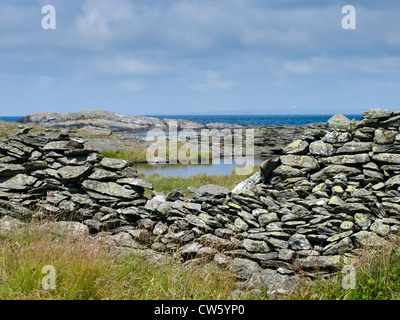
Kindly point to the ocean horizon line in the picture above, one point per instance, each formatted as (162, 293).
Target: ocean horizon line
(244, 120)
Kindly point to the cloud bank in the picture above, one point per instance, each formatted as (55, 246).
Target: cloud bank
(177, 56)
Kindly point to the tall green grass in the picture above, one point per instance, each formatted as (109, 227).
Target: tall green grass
(139, 155)
(167, 184)
(86, 270)
(377, 277)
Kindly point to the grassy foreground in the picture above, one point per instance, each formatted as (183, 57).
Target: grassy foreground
(87, 271)
(376, 277)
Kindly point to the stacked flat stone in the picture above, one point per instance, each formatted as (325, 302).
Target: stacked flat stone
(333, 191)
(58, 176)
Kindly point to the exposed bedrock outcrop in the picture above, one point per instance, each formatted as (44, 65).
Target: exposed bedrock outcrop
(105, 122)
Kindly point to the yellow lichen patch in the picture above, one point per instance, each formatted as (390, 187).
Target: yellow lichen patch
(88, 120)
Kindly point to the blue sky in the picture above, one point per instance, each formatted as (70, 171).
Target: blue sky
(199, 56)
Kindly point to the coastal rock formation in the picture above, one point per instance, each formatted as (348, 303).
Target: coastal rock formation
(99, 125)
(106, 122)
(310, 208)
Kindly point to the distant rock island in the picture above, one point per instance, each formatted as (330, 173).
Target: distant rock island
(109, 122)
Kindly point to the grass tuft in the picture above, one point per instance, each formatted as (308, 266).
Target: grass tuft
(377, 277)
(86, 270)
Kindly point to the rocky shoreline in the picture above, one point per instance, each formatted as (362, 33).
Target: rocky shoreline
(101, 127)
(312, 205)
(105, 122)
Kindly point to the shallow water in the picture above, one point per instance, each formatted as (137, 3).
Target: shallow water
(185, 171)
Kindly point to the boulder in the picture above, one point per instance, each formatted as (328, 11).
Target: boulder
(340, 122)
(320, 148)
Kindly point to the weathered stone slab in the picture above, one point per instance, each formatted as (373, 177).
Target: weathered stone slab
(74, 173)
(296, 147)
(20, 182)
(110, 188)
(136, 182)
(388, 158)
(115, 164)
(208, 192)
(320, 148)
(345, 159)
(355, 147)
(333, 170)
(297, 161)
(9, 170)
(371, 239)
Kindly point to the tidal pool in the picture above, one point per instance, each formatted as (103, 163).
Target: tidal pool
(185, 171)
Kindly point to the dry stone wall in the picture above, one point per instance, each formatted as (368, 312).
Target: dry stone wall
(328, 194)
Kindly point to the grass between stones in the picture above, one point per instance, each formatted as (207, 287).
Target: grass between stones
(376, 277)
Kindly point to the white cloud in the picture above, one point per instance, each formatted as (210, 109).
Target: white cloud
(101, 18)
(214, 81)
(133, 66)
(330, 65)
